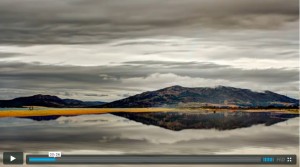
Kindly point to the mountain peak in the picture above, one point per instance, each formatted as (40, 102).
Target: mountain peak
(41, 96)
(225, 87)
(174, 87)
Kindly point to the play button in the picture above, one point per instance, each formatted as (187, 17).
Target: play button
(12, 158)
(15, 158)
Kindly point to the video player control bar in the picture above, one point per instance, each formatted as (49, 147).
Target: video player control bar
(162, 159)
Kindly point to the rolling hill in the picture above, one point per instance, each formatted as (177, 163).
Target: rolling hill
(46, 101)
(175, 96)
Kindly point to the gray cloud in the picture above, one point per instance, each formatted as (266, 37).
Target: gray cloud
(94, 94)
(94, 75)
(221, 41)
(9, 55)
(99, 81)
(98, 21)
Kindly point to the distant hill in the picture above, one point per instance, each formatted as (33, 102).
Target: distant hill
(46, 101)
(72, 102)
(203, 96)
(174, 96)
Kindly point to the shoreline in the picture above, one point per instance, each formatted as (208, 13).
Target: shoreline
(44, 111)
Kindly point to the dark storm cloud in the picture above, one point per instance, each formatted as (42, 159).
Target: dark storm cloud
(97, 21)
(23, 76)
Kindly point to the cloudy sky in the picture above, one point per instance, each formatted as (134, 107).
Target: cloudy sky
(110, 49)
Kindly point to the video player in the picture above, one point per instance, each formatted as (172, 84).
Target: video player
(122, 83)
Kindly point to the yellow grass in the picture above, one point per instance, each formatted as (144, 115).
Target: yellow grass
(75, 111)
(42, 111)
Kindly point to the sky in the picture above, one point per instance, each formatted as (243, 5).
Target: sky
(107, 50)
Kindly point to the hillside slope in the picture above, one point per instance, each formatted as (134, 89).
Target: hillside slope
(176, 95)
(46, 101)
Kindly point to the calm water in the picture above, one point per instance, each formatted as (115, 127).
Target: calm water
(207, 120)
(110, 134)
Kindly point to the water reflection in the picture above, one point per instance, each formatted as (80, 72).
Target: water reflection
(207, 120)
(109, 134)
(199, 120)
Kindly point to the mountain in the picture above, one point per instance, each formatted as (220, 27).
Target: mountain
(72, 102)
(221, 96)
(174, 96)
(46, 101)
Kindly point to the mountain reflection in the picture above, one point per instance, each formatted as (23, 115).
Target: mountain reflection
(177, 121)
(207, 120)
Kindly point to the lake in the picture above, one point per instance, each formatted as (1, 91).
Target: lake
(111, 134)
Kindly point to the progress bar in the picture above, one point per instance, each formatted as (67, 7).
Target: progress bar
(163, 159)
(41, 159)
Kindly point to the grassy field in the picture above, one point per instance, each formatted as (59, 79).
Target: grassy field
(75, 111)
(42, 111)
